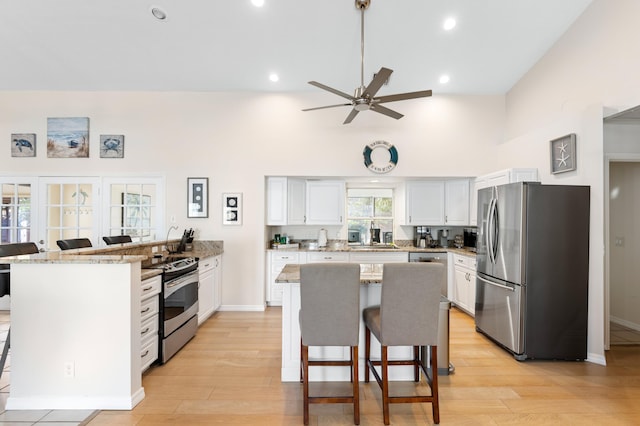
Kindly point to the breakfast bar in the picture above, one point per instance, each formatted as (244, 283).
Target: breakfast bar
(370, 292)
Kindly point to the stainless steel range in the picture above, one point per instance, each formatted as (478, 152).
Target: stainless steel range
(179, 307)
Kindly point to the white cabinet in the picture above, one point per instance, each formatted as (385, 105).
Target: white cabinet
(463, 283)
(285, 201)
(494, 179)
(296, 205)
(210, 288)
(438, 202)
(456, 202)
(325, 202)
(275, 263)
(149, 321)
(425, 203)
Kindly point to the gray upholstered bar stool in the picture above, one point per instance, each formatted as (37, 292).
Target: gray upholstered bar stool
(407, 316)
(330, 316)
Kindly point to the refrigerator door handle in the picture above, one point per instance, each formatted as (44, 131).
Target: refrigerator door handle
(496, 232)
(491, 229)
(496, 284)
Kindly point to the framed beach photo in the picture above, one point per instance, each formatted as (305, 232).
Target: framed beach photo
(23, 144)
(111, 146)
(232, 209)
(198, 197)
(68, 137)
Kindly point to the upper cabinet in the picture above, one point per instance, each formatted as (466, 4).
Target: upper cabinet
(437, 202)
(425, 202)
(295, 201)
(325, 202)
(494, 179)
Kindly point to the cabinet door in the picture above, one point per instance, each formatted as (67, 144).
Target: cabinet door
(472, 293)
(479, 183)
(457, 202)
(425, 203)
(206, 289)
(296, 205)
(217, 282)
(460, 287)
(325, 202)
(276, 201)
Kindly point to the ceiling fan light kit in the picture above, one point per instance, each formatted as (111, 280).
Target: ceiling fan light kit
(364, 98)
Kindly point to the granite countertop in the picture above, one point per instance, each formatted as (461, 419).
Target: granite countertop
(66, 257)
(467, 251)
(291, 274)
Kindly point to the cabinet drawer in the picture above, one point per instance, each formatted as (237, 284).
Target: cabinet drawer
(149, 308)
(318, 257)
(149, 329)
(148, 353)
(465, 261)
(206, 264)
(284, 257)
(150, 287)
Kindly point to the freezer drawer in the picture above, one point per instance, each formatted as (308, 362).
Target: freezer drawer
(498, 313)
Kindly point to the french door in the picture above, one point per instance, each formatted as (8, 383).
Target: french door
(70, 208)
(18, 210)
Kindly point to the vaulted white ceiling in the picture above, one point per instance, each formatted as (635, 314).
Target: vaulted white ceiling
(230, 45)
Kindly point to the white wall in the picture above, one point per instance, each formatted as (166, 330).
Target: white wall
(236, 139)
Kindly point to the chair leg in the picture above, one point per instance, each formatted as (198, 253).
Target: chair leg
(367, 353)
(356, 385)
(385, 384)
(435, 406)
(301, 360)
(416, 363)
(5, 351)
(305, 382)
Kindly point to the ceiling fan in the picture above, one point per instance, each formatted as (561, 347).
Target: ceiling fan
(365, 98)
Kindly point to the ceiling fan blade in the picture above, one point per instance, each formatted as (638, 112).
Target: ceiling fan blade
(332, 90)
(351, 116)
(402, 96)
(328, 106)
(386, 111)
(377, 82)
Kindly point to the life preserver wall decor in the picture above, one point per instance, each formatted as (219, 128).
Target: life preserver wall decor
(380, 167)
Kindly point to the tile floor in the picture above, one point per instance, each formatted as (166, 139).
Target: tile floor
(621, 335)
(32, 417)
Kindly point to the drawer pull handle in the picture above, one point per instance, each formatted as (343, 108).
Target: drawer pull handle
(145, 331)
(145, 310)
(147, 288)
(145, 353)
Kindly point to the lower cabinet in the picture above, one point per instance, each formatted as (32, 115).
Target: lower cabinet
(210, 289)
(149, 321)
(463, 284)
(275, 264)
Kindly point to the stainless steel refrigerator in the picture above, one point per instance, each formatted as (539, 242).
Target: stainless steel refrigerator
(533, 269)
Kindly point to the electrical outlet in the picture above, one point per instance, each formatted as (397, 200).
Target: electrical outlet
(173, 219)
(69, 369)
(619, 241)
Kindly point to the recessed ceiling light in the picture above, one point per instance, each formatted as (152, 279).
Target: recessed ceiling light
(444, 79)
(158, 13)
(274, 77)
(449, 24)
(257, 3)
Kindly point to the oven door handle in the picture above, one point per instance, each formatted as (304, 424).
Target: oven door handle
(176, 284)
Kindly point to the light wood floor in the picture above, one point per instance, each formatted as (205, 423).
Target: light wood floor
(230, 375)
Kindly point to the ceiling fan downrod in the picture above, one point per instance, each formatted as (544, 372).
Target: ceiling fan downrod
(362, 5)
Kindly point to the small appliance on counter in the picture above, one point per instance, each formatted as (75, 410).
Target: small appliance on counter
(354, 236)
(470, 238)
(423, 236)
(388, 237)
(443, 237)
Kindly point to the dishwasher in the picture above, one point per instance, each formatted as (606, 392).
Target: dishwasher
(444, 366)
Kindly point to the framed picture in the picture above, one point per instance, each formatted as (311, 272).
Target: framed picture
(68, 137)
(198, 197)
(23, 144)
(232, 209)
(111, 146)
(563, 154)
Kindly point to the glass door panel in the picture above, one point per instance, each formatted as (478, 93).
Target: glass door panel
(17, 210)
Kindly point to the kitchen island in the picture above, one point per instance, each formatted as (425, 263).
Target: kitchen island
(73, 343)
(370, 294)
(76, 324)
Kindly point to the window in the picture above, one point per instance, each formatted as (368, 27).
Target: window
(15, 213)
(367, 206)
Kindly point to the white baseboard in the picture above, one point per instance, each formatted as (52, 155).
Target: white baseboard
(596, 359)
(77, 402)
(242, 308)
(620, 321)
